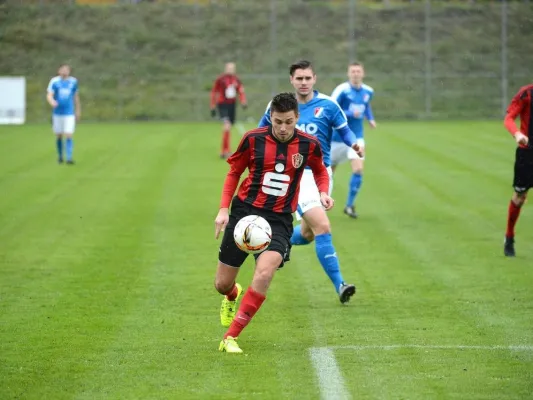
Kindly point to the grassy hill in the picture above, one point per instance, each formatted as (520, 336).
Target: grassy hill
(157, 61)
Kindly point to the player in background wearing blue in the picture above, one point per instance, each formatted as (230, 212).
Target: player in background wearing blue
(63, 97)
(354, 97)
(319, 115)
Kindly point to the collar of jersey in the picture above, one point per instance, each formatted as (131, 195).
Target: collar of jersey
(354, 88)
(276, 139)
(313, 100)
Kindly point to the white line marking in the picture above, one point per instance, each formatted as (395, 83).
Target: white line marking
(520, 347)
(329, 375)
(330, 380)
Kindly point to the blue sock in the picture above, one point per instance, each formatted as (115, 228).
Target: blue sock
(297, 238)
(69, 147)
(355, 184)
(59, 144)
(328, 258)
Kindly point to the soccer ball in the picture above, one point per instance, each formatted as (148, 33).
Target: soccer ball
(252, 234)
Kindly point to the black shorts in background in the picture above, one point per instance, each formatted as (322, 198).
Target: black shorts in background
(523, 170)
(281, 225)
(227, 112)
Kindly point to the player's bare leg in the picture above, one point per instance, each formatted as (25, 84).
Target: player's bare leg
(517, 201)
(225, 278)
(225, 284)
(59, 145)
(355, 184)
(316, 225)
(226, 139)
(266, 266)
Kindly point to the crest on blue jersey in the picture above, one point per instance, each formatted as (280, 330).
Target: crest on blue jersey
(318, 111)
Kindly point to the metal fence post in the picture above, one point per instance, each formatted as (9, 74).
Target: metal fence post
(428, 92)
(504, 78)
(351, 31)
(273, 46)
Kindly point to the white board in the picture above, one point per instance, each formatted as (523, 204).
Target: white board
(12, 100)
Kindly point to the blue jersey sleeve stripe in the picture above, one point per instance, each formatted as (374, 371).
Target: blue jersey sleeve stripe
(338, 91)
(51, 84)
(368, 88)
(341, 126)
(265, 119)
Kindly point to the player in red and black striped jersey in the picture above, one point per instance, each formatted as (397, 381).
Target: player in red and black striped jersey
(276, 157)
(521, 106)
(224, 94)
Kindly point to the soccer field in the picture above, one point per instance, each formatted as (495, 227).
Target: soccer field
(107, 268)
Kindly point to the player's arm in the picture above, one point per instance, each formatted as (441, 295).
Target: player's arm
(341, 126)
(513, 111)
(369, 115)
(77, 102)
(242, 94)
(265, 120)
(321, 175)
(238, 163)
(50, 95)
(339, 96)
(214, 96)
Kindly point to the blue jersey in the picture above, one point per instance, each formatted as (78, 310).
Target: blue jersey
(319, 117)
(353, 99)
(64, 92)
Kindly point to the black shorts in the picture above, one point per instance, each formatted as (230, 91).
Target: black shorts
(281, 225)
(523, 170)
(227, 112)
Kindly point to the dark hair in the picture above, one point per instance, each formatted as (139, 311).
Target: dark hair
(356, 64)
(302, 64)
(284, 102)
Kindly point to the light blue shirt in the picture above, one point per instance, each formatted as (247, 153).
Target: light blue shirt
(319, 117)
(353, 99)
(64, 93)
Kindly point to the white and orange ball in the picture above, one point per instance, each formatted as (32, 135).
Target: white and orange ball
(252, 234)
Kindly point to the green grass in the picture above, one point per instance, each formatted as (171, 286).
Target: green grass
(107, 267)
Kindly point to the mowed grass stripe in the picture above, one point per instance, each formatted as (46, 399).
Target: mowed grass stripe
(404, 206)
(74, 312)
(157, 349)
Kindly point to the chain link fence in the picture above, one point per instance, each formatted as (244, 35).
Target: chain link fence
(425, 59)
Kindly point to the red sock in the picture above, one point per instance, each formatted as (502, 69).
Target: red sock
(512, 217)
(225, 142)
(232, 294)
(249, 305)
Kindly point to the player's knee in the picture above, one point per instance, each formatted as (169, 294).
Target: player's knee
(322, 227)
(519, 198)
(357, 167)
(222, 286)
(266, 273)
(307, 233)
